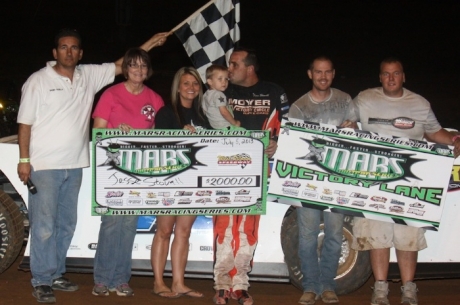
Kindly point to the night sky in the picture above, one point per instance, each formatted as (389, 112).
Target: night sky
(287, 34)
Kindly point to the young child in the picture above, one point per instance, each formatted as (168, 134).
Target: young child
(214, 100)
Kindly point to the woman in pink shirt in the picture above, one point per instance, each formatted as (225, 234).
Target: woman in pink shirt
(127, 105)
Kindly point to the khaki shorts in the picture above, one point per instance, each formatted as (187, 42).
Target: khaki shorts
(372, 234)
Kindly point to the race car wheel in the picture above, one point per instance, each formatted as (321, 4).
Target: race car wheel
(11, 231)
(354, 266)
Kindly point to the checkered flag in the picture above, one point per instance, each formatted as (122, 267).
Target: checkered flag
(210, 34)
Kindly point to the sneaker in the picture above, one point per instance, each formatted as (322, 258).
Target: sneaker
(409, 294)
(242, 296)
(44, 294)
(221, 296)
(61, 283)
(380, 295)
(123, 290)
(100, 290)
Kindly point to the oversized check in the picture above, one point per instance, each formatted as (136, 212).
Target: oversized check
(175, 172)
(360, 173)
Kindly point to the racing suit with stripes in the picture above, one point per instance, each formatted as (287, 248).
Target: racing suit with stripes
(259, 107)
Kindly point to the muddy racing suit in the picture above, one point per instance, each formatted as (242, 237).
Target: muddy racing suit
(259, 107)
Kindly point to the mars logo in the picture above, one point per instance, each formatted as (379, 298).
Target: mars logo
(361, 162)
(362, 165)
(153, 159)
(164, 161)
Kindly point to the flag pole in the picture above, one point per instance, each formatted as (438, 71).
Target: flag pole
(191, 16)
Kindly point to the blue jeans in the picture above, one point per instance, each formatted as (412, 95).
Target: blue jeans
(318, 276)
(113, 260)
(53, 217)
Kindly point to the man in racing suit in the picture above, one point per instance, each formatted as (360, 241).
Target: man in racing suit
(258, 105)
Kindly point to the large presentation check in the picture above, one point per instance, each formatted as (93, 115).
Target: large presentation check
(175, 172)
(360, 173)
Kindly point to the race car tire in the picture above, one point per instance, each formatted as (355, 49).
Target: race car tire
(11, 231)
(354, 266)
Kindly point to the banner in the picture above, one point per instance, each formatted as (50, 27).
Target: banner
(360, 173)
(175, 172)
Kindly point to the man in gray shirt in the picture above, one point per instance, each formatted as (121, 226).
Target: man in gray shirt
(322, 104)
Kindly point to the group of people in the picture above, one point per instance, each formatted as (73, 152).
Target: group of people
(59, 98)
(372, 108)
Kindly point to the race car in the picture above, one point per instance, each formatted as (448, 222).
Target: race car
(275, 259)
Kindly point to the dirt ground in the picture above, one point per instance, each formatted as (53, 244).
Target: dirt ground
(15, 289)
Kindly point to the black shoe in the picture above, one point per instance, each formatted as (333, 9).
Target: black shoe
(44, 294)
(61, 283)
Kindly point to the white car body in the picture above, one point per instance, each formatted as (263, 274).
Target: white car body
(443, 246)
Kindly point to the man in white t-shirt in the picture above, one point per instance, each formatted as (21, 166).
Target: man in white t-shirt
(53, 148)
(394, 110)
